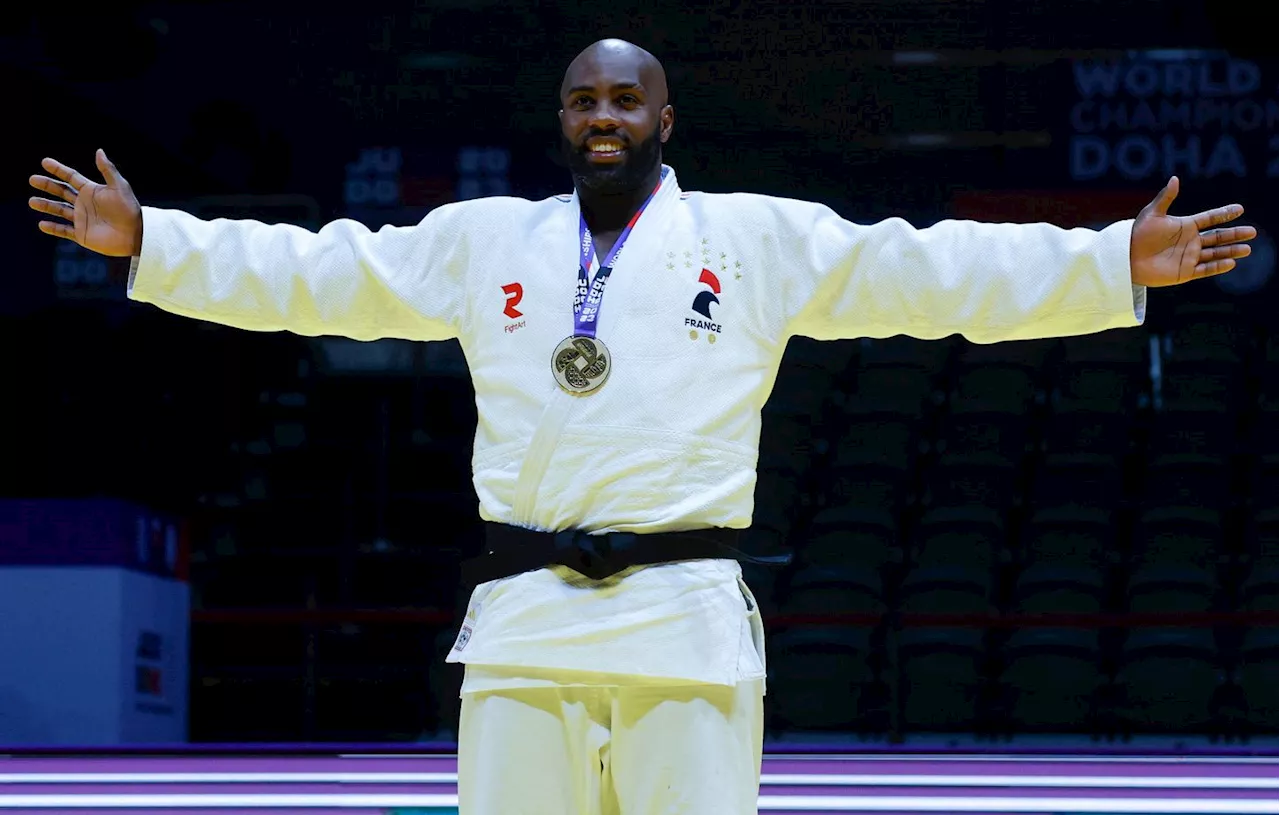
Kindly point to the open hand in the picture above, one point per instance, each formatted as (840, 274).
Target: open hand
(104, 218)
(1165, 250)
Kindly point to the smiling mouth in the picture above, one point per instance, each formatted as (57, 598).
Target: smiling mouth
(603, 149)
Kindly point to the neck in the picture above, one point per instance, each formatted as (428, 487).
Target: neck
(607, 212)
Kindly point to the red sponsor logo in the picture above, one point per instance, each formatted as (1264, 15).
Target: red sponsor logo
(515, 293)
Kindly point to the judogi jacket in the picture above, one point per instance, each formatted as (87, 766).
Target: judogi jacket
(696, 314)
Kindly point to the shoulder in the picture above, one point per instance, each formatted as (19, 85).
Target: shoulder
(495, 211)
(504, 205)
(736, 202)
(750, 210)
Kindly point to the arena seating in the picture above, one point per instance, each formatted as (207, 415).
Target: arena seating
(1074, 535)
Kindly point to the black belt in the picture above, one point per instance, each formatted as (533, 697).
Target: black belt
(510, 550)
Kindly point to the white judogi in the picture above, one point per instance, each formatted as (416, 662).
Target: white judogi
(671, 440)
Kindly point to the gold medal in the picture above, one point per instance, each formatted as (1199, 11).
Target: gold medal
(581, 364)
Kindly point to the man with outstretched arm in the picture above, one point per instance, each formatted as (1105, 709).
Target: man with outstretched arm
(622, 341)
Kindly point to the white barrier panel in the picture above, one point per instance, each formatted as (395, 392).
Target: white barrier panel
(94, 622)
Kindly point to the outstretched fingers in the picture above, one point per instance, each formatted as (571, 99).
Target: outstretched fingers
(1238, 250)
(1233, 234)
(1218, 215)
(1164, 199)
(62, 171)
(1214, 267)
(108, 169)
(55, 208)
(45, 184)
(58, 230)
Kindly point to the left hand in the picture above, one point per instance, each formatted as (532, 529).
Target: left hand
(1165, 250)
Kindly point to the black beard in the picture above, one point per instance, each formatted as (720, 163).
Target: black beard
(636, 167)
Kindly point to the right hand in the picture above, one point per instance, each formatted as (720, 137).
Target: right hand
(104, 218)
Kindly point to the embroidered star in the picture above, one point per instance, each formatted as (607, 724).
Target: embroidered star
(670, 267)
(722, 255)
(737, 264)
(737, 275)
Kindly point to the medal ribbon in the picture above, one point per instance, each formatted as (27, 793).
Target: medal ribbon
(586, 302)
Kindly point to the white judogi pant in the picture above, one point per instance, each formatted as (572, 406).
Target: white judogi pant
(612, 750)
(638, 694)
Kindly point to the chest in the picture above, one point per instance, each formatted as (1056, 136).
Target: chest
(685, 293)
(604, 244)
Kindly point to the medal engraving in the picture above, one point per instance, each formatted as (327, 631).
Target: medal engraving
(580, 364)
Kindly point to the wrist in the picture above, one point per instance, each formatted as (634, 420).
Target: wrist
(137, 237)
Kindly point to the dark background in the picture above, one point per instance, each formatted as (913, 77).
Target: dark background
(1066, 537)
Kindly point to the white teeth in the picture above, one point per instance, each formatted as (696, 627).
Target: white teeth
(605, 148)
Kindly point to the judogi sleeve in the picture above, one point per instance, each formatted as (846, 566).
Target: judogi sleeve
(343, 280)
(988, 282)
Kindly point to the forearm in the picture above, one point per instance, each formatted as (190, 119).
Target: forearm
(988, 282)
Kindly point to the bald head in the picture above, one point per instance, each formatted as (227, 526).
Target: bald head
(618, 57)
